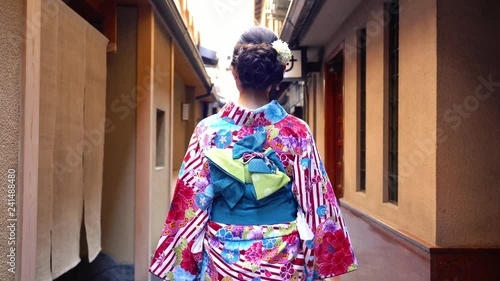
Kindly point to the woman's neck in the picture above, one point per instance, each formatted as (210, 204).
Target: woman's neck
(253, 99)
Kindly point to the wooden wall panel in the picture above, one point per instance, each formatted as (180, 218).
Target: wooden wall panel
(457, 264)
(144, 156)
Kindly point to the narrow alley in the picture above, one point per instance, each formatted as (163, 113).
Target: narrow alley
(100, 99)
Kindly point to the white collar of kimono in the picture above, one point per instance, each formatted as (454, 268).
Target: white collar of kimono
(268, 114)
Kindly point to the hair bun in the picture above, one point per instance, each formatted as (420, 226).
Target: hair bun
(258, 66)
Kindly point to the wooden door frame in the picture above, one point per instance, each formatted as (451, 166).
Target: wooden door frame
(330, 162)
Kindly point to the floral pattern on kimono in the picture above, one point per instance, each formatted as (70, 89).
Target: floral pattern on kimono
(189, 238)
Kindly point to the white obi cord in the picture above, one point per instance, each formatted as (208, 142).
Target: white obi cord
(198, 243)
(305, 232)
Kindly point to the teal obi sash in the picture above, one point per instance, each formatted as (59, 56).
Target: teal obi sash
(250, 184)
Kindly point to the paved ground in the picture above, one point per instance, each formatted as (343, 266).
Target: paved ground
(103, 268)
(381, 257)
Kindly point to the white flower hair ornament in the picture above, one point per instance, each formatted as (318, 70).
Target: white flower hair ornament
(284, 53)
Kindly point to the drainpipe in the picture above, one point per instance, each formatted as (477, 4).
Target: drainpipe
(208, 94)
(207, 105)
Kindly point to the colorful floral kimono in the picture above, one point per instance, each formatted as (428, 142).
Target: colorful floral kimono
(253, 202)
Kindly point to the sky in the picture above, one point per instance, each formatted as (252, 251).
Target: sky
(220, 23)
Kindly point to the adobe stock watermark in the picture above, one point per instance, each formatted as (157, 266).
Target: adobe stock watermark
(14, 42)
(11, 204)
(453, 118)
(121, 107)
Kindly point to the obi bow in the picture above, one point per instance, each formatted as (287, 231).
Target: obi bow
(246, 163)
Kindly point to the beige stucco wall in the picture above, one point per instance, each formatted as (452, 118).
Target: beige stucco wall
(193, 114)
(162, 93)
(183, 130)
(11, 31)
(468, 181)
(316, 110)
(118, 198)
(197, 107)
(416, 212)
(179, 132)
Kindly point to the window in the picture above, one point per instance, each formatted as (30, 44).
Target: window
(362, 107)
(393, 68)
(160, 138)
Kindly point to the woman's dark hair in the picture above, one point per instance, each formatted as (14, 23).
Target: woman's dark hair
(255, 59)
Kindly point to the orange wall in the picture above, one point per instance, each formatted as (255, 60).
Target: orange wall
(468, 181)
(416, 211)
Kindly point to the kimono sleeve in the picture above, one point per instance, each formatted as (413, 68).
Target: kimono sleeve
(188, 215)
(329, 253)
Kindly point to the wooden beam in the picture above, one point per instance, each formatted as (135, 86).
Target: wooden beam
(30, 114)
(110, 24)
(97, 5)
(144, 140)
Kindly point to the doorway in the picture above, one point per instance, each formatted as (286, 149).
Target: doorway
(334, 122)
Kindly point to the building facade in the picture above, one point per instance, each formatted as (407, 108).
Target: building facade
(403, 102)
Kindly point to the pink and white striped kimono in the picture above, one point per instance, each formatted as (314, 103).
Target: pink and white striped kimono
(312, 244)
